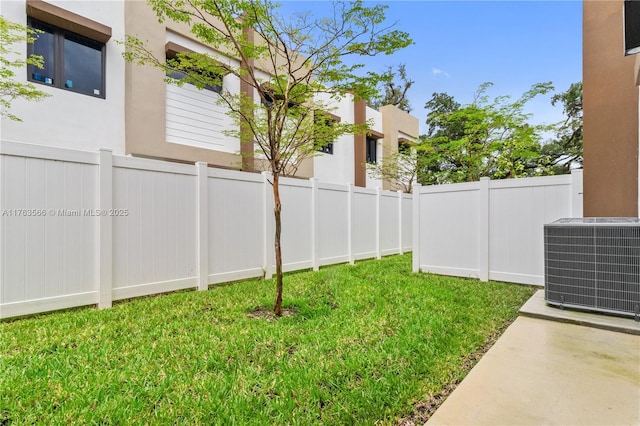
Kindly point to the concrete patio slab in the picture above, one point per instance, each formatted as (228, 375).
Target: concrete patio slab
(543, 372)
(536, 307)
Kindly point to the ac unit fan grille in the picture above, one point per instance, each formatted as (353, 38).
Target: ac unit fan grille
(593, 266)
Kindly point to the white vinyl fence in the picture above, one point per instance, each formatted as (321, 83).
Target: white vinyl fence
(492, 229)
(81, 228)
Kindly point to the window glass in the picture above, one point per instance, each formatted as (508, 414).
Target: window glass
(179, 75)
(326, 148)
(44, 46)
(372, 147)
(82, 66)
(71, 61)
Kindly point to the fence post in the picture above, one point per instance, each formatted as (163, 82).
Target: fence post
(483, 231)
(401, 251)
(314, 224)
(268, 234)
(416, 228)
(352, 259)
(105, 226)
(576, 193)
(202, 226)
(378, 222)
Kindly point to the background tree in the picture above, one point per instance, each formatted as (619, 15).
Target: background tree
(565, 151)
(399, 168)
(484, 138)
(304, 56)
(11, 60)
(395, 92)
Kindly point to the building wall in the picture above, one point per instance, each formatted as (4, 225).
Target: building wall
(338, 167)
(397, 124)
(193, 116)
(375, 118)
(68, 119)
(346, 165)
(610, 114)
(146, 96)
(144, 116)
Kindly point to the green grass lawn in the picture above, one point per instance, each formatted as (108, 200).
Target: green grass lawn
(367, 343)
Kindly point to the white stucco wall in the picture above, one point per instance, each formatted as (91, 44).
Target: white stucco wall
(68, 119)
(374, 118)
(337, 167)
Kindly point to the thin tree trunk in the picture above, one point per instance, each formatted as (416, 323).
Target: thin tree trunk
(277, 309)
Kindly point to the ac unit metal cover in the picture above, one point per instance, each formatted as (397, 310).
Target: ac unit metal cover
(594, 264)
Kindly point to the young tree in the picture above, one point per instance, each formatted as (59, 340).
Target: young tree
(399, 168)
(304, 58)
(10, 60)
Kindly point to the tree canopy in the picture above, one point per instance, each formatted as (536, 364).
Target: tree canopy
(10, 60)
(496, 138)
(565, 150)
(395, 92)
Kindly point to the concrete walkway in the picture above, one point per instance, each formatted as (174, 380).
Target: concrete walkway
(546, 372)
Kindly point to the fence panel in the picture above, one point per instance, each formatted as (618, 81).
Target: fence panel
(389, 220)
(518, 214)
(297, 230)
(407, 222)
(49, 235)
(449, 229)
(154, 243)
(492, 229)
(332, 223)
(364, 223)
(236, 225)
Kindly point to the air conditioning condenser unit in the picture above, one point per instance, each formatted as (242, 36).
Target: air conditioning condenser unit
(593, 264)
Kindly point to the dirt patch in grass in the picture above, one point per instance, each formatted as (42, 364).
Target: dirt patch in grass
(423, 410)
(265, 313)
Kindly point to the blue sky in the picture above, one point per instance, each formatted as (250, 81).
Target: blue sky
(460, 44)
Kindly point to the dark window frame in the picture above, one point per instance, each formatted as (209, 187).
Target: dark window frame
(59, 34)
(371, 150)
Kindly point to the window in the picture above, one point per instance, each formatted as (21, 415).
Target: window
(172, 50)
(270, 96)
(404, 146)
(71, 61)
(324, 133)
(372, 150)
(179, 75)
(631, 27)
(327, 148)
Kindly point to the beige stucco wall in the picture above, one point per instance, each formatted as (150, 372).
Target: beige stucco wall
(394, 121)
(145, 98)
(610, 114)
(145, 102)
